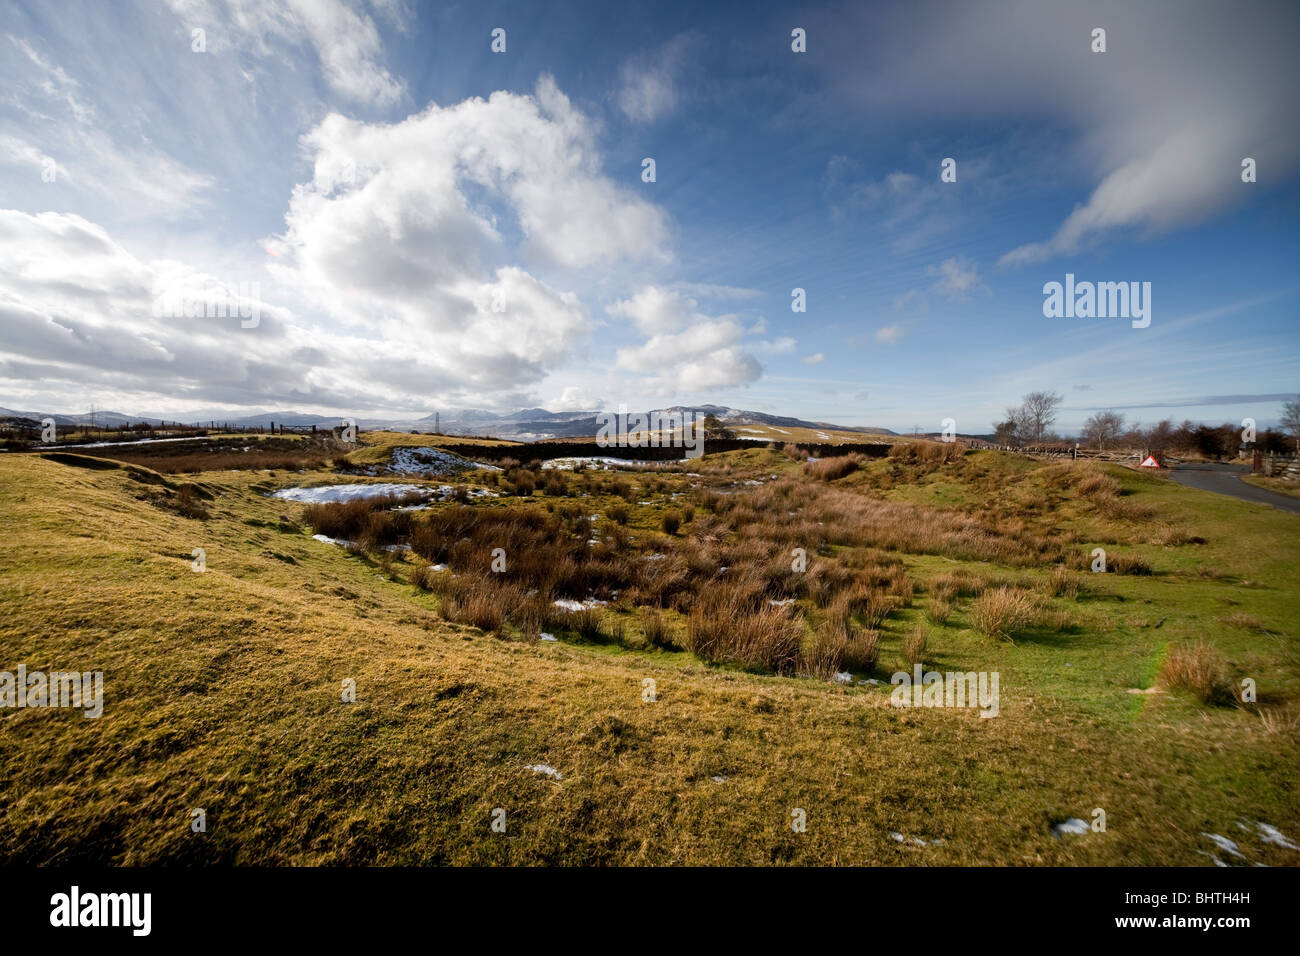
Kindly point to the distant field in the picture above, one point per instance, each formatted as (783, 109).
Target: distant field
(1119, 691)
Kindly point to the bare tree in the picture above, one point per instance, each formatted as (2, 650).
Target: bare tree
(1103, 428)
(1035, 414)
(1004, 433)
(1291, 420)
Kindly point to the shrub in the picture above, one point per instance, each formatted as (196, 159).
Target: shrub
(671, 522)
(619, 513)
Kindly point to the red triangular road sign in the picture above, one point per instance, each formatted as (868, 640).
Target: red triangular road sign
(1150, 462)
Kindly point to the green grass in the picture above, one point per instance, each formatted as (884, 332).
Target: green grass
(222, 691)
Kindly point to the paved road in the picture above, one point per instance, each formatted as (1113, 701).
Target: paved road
(1225, 479)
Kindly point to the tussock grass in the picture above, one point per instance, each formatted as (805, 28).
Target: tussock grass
(1064, 583)
(1200, 668)
(726, 626)
(831, 469)
(1002, 611)
(915, 643)
(938, 611)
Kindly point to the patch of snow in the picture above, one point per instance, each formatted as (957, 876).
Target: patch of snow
(1224, 844)
(566, 604)
(326, 539)
(1071, 827)
(546, 769)
(421, 460)
(595, 462)
(719, 779)
(843, 677)
(1271, 834)
(784, 602)
(142, 441)
(548, 637)
(354, 492)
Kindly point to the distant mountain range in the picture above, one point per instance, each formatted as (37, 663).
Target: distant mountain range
(525, 424)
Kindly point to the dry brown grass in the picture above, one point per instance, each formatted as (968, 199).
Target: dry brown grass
(1063, 583)
(1201, 668)
(1247, 622)
(938, 611)
(1098, 485)
(948, 587)
(914, 644)
(1001, 612)
(370, 522)
(927, 452)
(830, 469)
(726, 627)
(862, 650)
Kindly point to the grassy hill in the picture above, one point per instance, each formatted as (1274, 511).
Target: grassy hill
(223, 688)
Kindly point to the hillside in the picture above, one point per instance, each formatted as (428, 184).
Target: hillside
(222, 688)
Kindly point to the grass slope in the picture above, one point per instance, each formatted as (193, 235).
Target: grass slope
(222, 691)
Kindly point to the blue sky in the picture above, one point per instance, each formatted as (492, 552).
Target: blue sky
(372, 178)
